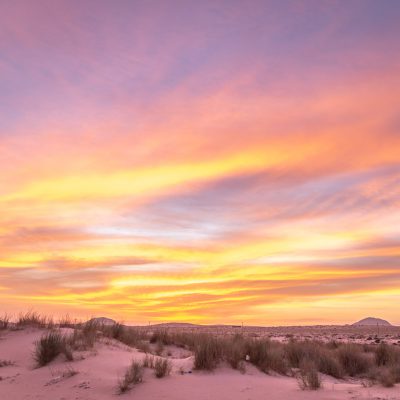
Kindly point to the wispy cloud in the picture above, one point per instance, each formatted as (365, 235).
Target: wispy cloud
(188, 161)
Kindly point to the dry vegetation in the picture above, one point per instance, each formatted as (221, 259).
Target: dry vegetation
(304, 359)
(133, 376)
(49, 346)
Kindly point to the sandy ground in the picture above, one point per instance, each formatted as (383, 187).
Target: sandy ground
(98, 372)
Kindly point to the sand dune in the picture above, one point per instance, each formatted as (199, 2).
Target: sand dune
(94, 373)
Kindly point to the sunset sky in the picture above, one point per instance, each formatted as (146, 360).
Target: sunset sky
(200, 161)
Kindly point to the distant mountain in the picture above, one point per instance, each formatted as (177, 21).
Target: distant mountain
(372, 321)
(174, 325)
(102, 321)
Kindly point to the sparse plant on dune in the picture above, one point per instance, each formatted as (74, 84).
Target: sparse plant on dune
(162, 367)
(159, 348)
(353, 360)
(161, 336)
(387, 355)
(34, 319)
(328, 363)
(49, 346)
(207, 353)
(267, 356)
(5, 321)
(66, 322)
(6, 363)
(133, 375)
(236, 353)
(148, 361)
(308, 375)
(84, 337)
(143, 346)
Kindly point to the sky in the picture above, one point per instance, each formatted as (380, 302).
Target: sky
(207, 162)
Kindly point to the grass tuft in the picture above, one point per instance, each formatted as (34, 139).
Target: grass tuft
(308, 376)
(133, 376)
(162, 367)
(49, 346)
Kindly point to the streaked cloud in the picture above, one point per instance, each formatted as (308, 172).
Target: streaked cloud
(240, 165)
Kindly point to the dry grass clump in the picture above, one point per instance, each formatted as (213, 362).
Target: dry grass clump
(353, 360)
(208, 352)
(308, 375)
(162, 367)
(6, 363)
(34, 319)
(328, 363)
(267, 356)
(148, 361)
(4, 321)
(386, 355)
(66, 322)
(323, 356)
(85, 336)
(130, 336)
(49, 346)
(236, 353)
(161, 336)
(133, 376)
(143, 346)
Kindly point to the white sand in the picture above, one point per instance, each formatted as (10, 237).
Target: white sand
(98, 372)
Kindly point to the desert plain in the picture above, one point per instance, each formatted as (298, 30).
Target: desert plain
(100, 354)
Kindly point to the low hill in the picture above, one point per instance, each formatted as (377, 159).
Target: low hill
(102, 321)
(370, 321)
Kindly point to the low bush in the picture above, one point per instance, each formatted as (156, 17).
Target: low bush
(354, 362)
(267, 356)
(4, 321)
(327, 362)
(133, 376)
(308, 375)
(386, 377)
(34, 319)
(148, 361)
(162, 367)
(207, 353)
(49, 346)
(161, 336)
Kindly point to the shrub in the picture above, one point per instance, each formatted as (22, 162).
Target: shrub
(267, 356)
(161, 336)
(382, 355)
(207, 353)
(148, 361)
(353, 361)
(143, 346)
(118, 331)
(297, 352)
(34, 319)
(159, 348)
(49, 346)
(395, 371)
(328, 363)
(386, 378)
(309, 377)
(162, 367)
(133, 376)
(235, 354)
(4, 321)
(66, 322)
(84, 338)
